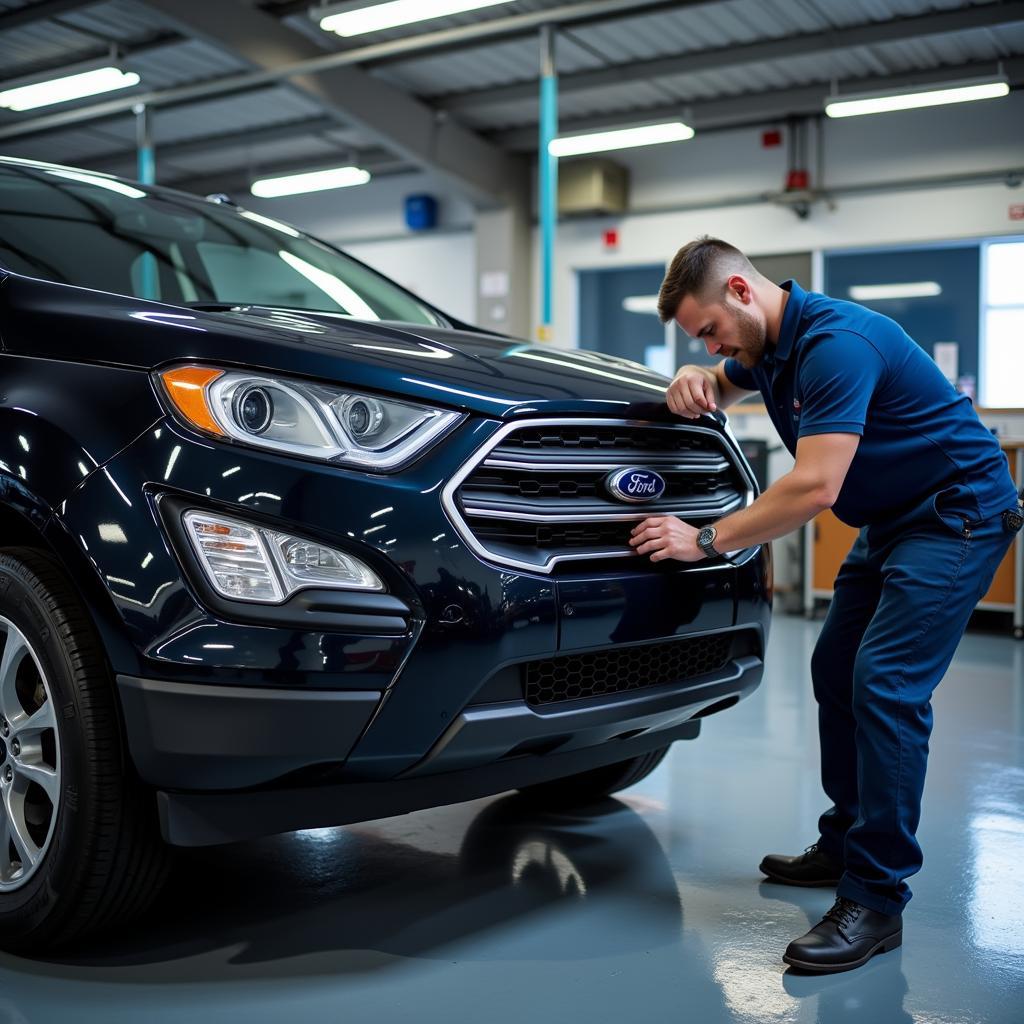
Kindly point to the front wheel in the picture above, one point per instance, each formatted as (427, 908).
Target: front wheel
(79, 844)
(589, 787)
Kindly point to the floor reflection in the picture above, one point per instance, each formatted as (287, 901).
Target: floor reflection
(645, 909)
(362, 888)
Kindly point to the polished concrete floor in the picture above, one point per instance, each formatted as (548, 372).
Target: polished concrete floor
(648, 910)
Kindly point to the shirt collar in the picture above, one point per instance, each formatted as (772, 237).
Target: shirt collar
(790, 319)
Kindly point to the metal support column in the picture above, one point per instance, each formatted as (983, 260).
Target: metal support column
(144, 144)
(548, 176)
(146, 170)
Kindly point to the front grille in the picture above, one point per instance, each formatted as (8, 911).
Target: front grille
(537, 495)
(547, 535)
(576, 676)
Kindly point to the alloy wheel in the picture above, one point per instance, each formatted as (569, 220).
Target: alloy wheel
(30, 769)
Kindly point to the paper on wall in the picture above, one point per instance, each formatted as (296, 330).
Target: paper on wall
(947, 358)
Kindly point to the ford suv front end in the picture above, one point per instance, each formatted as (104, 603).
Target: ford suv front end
(288, 548)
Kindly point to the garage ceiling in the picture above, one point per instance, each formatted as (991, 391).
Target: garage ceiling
(458, 95)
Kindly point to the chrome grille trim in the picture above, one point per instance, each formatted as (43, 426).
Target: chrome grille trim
(543, 467)
(483, 456)
(721, 509)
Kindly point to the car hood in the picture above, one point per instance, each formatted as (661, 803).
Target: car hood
(461, 369)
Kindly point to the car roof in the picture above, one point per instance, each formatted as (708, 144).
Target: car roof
(45, 165)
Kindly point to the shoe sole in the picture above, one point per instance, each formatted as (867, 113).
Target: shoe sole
(885, 946)
(820, 883)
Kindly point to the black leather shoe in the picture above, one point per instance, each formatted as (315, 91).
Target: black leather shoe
(847, 936)
(812, 867)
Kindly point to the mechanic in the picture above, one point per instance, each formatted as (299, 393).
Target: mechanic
(882, 438)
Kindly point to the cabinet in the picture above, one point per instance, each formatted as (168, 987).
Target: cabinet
(827, 541)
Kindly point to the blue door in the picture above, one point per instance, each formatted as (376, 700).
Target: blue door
(619, 316)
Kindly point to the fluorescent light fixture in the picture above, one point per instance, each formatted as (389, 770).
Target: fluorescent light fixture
(311, 181)
(880, 104)
(910, 290)
(620, 138)
(380, 16)
(72, 87)
(640, 304)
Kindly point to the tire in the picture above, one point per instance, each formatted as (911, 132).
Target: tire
(98, 855)
(589, 787)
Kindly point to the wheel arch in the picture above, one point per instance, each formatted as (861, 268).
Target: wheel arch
(34, 527)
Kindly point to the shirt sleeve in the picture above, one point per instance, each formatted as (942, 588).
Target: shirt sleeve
(740, 375)
(838, 377)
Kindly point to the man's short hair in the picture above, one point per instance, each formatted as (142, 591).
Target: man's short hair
(700, 267)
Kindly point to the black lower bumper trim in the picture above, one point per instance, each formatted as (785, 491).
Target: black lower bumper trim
(202, 736)
(208, 819)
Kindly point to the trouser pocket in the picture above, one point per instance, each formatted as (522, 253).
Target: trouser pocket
(950, 507)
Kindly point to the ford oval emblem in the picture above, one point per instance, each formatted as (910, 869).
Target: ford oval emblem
(636, 485)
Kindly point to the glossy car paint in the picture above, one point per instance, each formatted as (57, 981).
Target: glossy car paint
(460, 369)
(91, 461)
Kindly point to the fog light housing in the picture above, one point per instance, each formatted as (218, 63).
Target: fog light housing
(244, 562)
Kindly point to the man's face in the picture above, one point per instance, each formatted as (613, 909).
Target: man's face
(731, 328)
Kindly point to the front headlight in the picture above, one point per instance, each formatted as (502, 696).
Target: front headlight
(301, 418)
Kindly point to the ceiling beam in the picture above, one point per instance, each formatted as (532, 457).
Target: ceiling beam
(728, 58)
(158, 41)
(39, 12)
(203, 144)
(383, 112)
(752, 109)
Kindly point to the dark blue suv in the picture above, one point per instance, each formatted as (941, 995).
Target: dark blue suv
(285, 547)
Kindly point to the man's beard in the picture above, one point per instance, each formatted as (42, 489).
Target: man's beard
(752, 335)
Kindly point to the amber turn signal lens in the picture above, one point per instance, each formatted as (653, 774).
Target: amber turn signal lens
(186, 388)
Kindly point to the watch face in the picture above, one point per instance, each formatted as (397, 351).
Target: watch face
(706, 535)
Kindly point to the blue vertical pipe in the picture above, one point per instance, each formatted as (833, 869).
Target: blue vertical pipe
(548, 175)
(146, 166)
(144, 145)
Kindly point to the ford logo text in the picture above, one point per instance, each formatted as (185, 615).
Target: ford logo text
(635, 485)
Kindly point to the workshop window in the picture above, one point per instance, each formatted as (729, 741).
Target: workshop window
(1002, 325)
(933, 292)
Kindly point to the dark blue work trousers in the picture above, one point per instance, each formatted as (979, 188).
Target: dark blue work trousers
(902, 600)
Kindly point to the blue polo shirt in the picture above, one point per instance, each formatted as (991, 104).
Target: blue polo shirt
(838, 368)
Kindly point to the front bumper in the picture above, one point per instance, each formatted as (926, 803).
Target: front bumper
(216, 702)
(188, 736)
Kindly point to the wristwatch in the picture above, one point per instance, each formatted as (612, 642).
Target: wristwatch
(706, 542)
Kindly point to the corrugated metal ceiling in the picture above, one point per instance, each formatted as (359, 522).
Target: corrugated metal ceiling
(75, 35)
(689, 28)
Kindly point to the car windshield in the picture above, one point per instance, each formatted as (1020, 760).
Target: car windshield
(94, 231)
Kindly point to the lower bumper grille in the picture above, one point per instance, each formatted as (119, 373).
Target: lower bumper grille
(576, 676)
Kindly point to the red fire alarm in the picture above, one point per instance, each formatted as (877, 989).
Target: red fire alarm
(771, 138)
(797, 179)
(610, 239)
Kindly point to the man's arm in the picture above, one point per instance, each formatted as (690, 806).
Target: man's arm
(730, 393)
(810, 487)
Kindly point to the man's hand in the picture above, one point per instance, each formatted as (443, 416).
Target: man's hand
(666, 537)
(692, 393)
